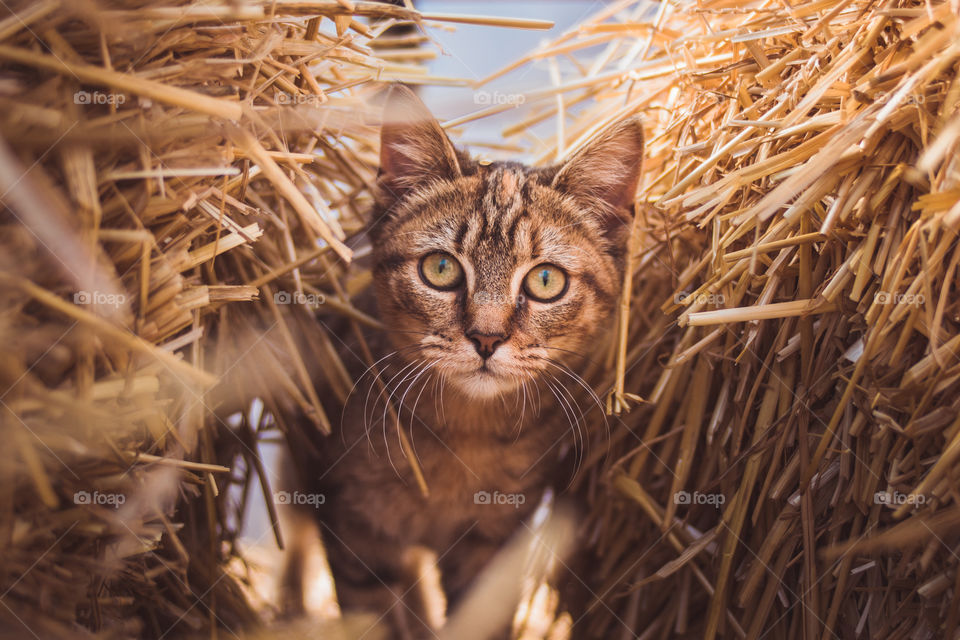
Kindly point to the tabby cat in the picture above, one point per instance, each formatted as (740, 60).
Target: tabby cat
(491, 279)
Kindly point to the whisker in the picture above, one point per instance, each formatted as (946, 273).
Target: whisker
(572, 352)
(523, 408)
(370, 369)
(366, 419)
(413, 411)
(539, 397)
(581, 422)
(383, 386)
(443, 408)
(574, 427)
(410, 331)
(593, 396)
(375, 381)
(420, 372)
(387, 403)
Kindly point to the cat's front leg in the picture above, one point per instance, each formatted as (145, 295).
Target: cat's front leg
(380, 582)
(461, 565)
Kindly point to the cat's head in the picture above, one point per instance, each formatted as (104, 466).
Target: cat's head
(490, 271)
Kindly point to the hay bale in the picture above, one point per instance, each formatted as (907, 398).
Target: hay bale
(167, 169)
(163, 165)
(792, 470)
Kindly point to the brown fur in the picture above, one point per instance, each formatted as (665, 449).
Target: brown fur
(494, 425)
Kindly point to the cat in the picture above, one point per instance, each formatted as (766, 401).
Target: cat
(492, 279)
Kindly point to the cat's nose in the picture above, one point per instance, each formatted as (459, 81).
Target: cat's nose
(486, 343)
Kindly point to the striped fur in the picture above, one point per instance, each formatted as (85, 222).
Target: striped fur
(499, 220)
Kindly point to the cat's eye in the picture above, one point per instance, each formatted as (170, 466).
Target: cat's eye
(441, 271)
(545, 283)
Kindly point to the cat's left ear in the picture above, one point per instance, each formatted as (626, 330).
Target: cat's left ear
(414, 149)
(604, 174)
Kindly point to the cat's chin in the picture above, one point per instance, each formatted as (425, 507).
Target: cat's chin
(485, 384)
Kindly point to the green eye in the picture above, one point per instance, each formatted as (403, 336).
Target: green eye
(441, 271)
(545, 283)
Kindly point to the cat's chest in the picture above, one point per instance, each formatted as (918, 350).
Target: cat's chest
(473, 482)
(467, 463)
(469, 474)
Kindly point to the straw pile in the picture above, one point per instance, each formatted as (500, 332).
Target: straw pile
(165, 168)
(173, 174)
(792, 472)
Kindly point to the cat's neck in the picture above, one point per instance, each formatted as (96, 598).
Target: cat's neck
(450, 411)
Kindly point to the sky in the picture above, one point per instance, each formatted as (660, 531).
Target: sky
(474, 52)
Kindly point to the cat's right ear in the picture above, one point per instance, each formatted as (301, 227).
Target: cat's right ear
(414, 149)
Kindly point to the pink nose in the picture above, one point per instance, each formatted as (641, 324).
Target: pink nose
(486, 343)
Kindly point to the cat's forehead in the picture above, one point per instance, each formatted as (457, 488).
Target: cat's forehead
(501, 208)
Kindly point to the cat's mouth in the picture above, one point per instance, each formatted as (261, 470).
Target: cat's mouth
(486, 380)
(485, 383)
